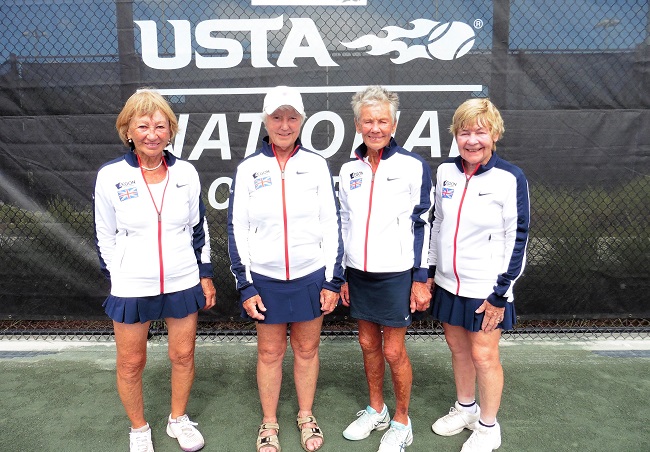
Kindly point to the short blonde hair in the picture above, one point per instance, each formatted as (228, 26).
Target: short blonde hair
(475, 111)
(374, 95)
(144, 102)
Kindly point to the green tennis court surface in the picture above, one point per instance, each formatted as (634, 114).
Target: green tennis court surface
(560, 395)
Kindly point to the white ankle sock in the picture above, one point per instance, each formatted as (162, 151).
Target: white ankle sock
(486, 425)
(144, 428)
(469, 407)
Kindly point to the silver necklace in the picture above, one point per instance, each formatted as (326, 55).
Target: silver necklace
(152, 169)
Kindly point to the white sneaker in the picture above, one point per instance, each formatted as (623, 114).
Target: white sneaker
(367, 421)
(140, 441)
(484, 439)
(181, 428)
(396, 438)
(456, 421)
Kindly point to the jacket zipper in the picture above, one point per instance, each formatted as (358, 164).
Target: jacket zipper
(160, 253)
(365, 247)
(460, 208)
(372, 189)
(161, 266)
(284, 210)
(286, 233)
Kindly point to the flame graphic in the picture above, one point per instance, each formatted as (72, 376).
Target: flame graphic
(390, 43)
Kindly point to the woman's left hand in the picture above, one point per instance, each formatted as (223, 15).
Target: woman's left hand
(328, 300)
(493, 316)
(420, 296)
(209, 292)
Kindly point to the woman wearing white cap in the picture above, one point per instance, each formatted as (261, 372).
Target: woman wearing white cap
(285, 247)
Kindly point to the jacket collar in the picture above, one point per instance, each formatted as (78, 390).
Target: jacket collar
(267, 149)
(132, 159)
(389, 150)
(482, 168)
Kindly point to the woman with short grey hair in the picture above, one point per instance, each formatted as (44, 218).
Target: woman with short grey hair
(385, 196)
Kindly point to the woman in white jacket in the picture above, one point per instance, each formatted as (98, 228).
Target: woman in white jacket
(385, 195)
(477, 252)
(154, 246)
(285, 247)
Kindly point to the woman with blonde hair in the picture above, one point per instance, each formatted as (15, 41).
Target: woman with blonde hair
(153, 244)
(477, 252)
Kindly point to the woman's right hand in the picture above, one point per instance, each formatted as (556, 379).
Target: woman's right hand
(345, 294)
(254, 307)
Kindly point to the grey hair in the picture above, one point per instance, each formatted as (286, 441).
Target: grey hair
(374, 95)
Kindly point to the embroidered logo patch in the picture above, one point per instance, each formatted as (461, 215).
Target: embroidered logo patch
(125, 184)
(127, 193)
(447, 193)
(262, 182)
(355, 183)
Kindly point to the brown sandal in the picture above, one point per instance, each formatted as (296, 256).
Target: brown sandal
(268, 441)
(307, 433)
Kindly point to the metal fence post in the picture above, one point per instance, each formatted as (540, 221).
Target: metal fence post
(128, 59)
(500, 40)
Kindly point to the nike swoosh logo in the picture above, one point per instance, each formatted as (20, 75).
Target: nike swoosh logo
(302, 172)
(392, 178)
(483, 194)
(407, 317)
(180, 185)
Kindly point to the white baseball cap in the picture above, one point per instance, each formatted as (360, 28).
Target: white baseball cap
(283, 95)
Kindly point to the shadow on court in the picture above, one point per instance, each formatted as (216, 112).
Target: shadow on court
(560, 395)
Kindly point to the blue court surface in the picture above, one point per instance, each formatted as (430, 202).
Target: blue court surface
(560, 395)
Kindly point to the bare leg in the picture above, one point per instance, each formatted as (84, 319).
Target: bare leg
(271, 348)
(485, 354)
(305, 340)
(182, 339)
(131, 344)
(461, 359)
(370, 339)
(401, 371)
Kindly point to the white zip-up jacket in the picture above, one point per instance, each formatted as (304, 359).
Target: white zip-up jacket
(142, 253)
(480, 229)
(283, 225)
(384, 216)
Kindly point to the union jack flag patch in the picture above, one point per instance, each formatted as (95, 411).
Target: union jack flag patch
(261, 182)
(127, 193)
(355, 183)
(447, 192)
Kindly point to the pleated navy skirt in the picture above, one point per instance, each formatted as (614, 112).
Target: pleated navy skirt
(459, 311)
(176, 305)
(296, 300)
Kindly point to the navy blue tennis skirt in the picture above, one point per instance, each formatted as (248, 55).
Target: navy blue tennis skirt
(459, 311)
(382, 298)
(296, 300)
(177, 305)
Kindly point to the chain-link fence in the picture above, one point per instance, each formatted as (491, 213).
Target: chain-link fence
(101, 331)
(553, 54)
(584, 245)
(571, 78)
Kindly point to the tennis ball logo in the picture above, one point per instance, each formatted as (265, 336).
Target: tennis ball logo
(449, 41)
